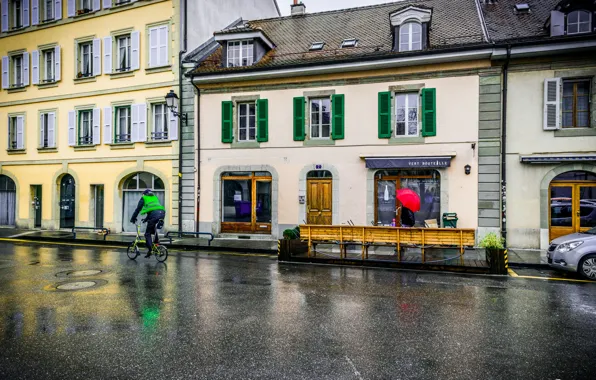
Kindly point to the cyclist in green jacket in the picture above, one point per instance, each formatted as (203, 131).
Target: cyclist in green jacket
(149, 205)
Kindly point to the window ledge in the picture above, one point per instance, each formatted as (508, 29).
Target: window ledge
(126, 4)
(122, 74)
(17, 89)
(246, 144)
(85, 80)
(82, 148)
(16, 151)
(47, 85)
(126, 145)
(14, 30)
(47, 22)
(575, 132)
(47, 150)
(406, 140)
(160, 69)
(83, 14)
(319, 142)
(158, 143)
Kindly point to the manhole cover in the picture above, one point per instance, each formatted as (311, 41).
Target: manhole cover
(79, 273)
(76, 285)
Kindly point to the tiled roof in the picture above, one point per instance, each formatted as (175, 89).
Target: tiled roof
(454, 23)
(504, 23)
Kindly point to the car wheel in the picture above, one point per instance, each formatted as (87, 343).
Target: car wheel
(587, 267)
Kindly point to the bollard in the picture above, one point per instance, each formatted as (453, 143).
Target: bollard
(497, 260)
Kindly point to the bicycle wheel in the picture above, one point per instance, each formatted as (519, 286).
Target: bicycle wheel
(161, 253)
(133, 251)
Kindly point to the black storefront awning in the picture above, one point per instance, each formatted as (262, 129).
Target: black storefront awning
(407, 162)
(557, 159)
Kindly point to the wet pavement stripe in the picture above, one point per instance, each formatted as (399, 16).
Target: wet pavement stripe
(556, 279)
(512, 273)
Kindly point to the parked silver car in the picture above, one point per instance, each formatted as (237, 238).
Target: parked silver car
(574, 253)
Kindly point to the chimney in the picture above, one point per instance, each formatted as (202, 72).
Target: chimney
(298, 9)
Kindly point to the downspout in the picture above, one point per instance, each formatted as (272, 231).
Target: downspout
(198, 133)
(180, 127)
(504, 151)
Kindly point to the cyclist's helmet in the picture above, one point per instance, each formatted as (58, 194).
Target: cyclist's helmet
(147, 191)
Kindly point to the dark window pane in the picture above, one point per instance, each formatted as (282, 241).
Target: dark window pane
(386, 203)
(131, 183)
(237, 201)
(158, 184)
(145, 180)
(576, 176)
(263, 206)
(319, 174)
(561, 206)
(587, 198)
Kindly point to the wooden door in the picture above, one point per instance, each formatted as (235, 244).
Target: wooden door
(319, 201)
(586, 206)
(572, 208)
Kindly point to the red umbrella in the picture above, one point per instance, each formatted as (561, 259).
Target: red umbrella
(409, 199)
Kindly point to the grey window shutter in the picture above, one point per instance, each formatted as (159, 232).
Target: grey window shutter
(173, 127)
(107, 4)
(35, 67)
(41, 130)
(34, 12)
(557, 23)
(97, 57)
(72, 125)
(424, 37)
(96, 126)
(135, 42)
(4, 20)
(96, 5)
(107, 55)
(58, 10)
(57, 63)
(5, 83)
(25, 13)
(26, 69)
(20, 132)
(107, 125)
(552, 104)
(134, 130)
(142, 118)
(70, 8)
(51, 130)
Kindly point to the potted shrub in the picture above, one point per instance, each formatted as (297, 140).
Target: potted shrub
(495, 252)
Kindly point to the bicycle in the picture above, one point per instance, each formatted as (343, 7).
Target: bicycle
(133, 251)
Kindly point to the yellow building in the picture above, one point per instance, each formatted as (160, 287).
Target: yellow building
(83, 122)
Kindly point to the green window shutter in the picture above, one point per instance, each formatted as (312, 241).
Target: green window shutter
(299, 133)
(262, 120)
(337, 123)
(384, 115)
(429, 112)
(227, 122)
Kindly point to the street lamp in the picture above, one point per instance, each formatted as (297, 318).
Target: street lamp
(172, 102)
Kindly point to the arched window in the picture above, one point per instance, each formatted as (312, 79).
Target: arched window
(579, 22)
(133, 191)
(410, 36)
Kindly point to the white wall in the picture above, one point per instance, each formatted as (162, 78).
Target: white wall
(208, 16)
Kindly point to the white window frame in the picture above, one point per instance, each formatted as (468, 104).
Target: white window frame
(162, 135)
(243, 53)
(14, 71)
(579, 23)
(247, 118)
(406, 30)
(52, 65)
(44, 10)
(158, 45)
(80, 127)
(128, 67)
(407, 106)
(81, 61)
(319, 126)
(13, 14)
(118, 126)
(45, 127)
(12, 132)
(349, 43)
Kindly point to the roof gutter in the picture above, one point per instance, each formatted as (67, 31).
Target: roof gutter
(346, 67)
(543, 49)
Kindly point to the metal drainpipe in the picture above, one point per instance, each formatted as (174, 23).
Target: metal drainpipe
(181, 123)
(198, 132)
(504, 151)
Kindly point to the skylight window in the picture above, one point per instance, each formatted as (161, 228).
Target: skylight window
(351, 42)
(522, 7)
(317, 46)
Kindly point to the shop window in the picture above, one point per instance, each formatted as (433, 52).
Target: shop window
(246, 202)
(576, 103)
(426, 183)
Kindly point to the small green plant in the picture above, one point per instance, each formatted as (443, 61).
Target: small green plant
(491, 241)
(292, 234)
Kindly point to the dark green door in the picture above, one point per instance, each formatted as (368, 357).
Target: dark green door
(99, 206)
(67, 202)
(37, 205)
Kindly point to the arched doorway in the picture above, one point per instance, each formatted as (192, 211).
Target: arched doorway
(572, 199)
(133, 191)
(67, 201)
(319, 197)
(8, 200)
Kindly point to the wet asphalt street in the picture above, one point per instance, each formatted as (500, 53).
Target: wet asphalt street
(231, 317)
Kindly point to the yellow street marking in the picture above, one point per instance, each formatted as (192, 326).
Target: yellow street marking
(555, 279)
(512, 273)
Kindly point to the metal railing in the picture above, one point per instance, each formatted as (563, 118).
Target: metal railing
(104, 231)
(181, 234)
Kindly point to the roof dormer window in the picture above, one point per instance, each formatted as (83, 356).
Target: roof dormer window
(410, 36)
(349, 43)
(240, 53)
(317, 46)
(579, 22)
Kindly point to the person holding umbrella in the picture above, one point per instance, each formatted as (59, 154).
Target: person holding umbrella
(410, 202)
